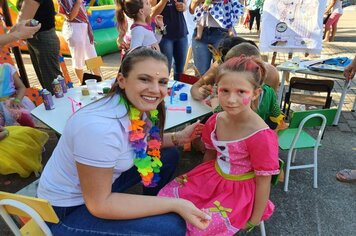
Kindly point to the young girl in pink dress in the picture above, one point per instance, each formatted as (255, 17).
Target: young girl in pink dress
(235, 186)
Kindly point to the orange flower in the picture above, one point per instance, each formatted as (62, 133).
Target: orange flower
(136, 125)
(153, 143)
(136, 135)
(154, 152)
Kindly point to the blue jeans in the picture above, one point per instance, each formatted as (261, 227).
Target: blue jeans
(201, 54)
(176, 49)
(77, 220)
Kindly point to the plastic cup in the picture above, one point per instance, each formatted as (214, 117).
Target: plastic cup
(92, 87)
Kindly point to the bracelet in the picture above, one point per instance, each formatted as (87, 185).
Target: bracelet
(250, 225)
(17, 100)
(161, 31)
(174, 139)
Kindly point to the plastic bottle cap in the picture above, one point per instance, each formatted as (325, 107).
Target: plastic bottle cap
(183, 96)
(188, 109)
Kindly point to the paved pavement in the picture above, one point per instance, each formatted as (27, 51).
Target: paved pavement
(328, 210)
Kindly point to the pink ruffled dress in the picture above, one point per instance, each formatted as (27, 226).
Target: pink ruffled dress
(226, 186)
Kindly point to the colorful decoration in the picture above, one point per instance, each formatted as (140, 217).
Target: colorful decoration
(147, 154)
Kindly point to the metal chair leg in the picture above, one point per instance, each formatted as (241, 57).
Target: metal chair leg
(315, 167)
(262, 228)
(289, 159)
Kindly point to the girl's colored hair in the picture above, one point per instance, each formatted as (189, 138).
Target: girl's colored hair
(127, 65)
(129, 8)
(242, 63)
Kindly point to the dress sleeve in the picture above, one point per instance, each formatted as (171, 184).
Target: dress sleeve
(207, 130)
(263, 150)
(137, 37)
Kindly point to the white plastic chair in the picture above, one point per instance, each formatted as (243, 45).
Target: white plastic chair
(295, 137)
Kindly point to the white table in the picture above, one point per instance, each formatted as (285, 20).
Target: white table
(57, 118)
(289, 67)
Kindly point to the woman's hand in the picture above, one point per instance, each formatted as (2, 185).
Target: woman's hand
(350, 70)
(192, 214)
(180, 6)
(204, 91)
(22, 30)
(190, 132)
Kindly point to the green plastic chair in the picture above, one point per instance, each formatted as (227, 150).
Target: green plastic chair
(295, 137)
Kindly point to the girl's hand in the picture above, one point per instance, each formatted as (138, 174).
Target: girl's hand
(193, 215)
(155, 46)
(3, 133)
(190, 132)
(15, 104)
(159, 21)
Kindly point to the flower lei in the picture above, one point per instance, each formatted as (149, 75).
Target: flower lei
(148, 161)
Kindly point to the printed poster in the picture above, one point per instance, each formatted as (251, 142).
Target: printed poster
(292, 26)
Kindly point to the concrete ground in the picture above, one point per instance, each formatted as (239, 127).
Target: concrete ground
(328, 210)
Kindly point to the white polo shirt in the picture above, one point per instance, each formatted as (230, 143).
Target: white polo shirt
(96, 135)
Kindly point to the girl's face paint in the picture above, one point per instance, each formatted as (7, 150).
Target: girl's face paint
(235, 92)
(246, 100)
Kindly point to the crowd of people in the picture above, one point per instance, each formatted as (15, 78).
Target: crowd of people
(119, 141)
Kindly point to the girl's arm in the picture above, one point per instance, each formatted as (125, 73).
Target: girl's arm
(3, 133)
(209, 155)
(73, 13)
(96, 186)
(331, 5)
(157, 8)
(263, 187)
(193, 4)
(20, 90)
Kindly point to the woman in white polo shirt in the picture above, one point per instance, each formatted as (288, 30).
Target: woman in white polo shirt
(93, 163)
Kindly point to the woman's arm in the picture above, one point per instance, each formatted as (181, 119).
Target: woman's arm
(28, 10)
(157, 8)
(203, 87)
(96, 186)
(73, 13)
(184, 136)
(263, 188)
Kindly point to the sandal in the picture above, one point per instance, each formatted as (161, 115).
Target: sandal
(346, 175)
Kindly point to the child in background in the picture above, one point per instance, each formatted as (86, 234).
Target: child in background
(235, 186)
(14, 106)
(142, 33)
(201, 21)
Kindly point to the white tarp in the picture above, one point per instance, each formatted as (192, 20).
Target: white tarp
(292, 26)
